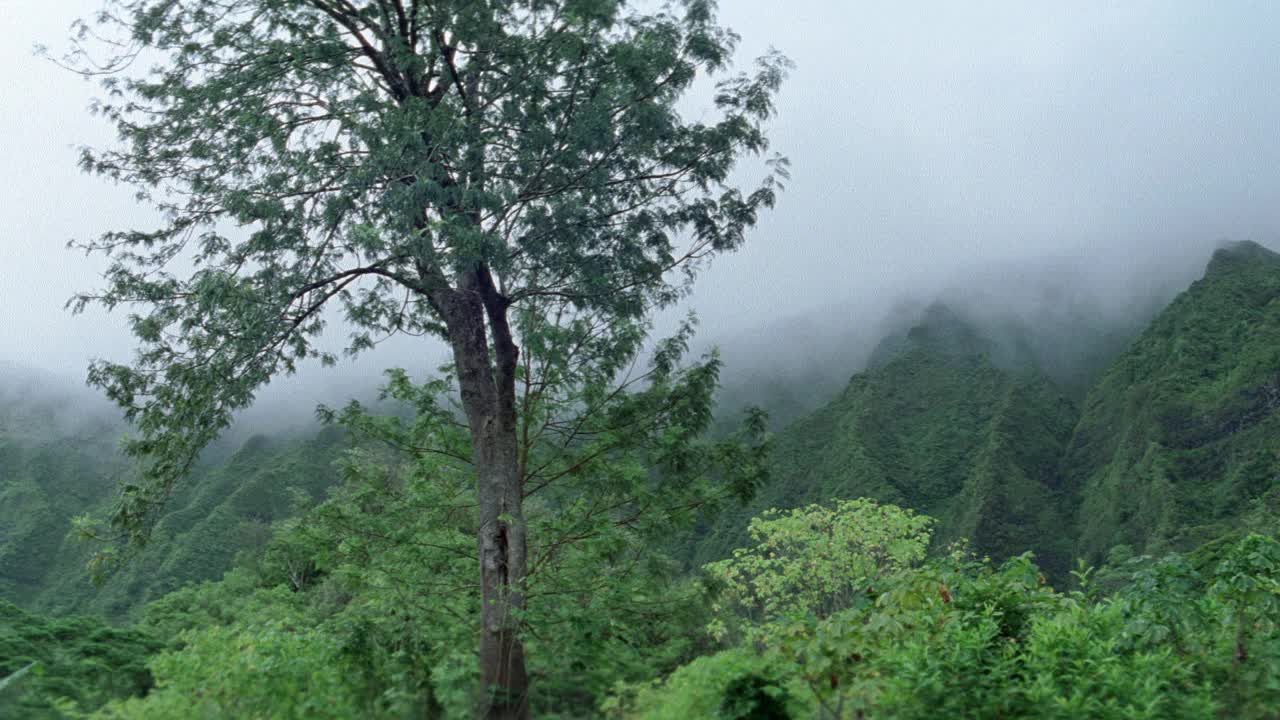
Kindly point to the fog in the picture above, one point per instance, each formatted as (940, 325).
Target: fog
(1013, 157)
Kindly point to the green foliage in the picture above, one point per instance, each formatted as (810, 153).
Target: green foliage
(957, 637)
(370, 159)
(817, 560)
(732, 685)
(513, 177)
(270, 670)
(67, 664)
(384, 567)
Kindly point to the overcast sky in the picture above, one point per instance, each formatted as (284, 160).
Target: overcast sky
(931, 143)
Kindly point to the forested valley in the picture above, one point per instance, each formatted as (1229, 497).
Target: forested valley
(957, 478)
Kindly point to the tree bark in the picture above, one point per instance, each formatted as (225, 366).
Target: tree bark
(487, 385)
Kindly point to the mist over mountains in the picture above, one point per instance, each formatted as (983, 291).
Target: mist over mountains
(1066, 317)
(1022, 412)
(980, 419)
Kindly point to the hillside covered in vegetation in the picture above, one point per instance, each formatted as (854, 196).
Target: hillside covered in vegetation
(51, 477)
(1175, 444)
(1180, 441)
(936, 426)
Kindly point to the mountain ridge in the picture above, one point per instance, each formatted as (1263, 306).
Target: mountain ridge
(1170, 447)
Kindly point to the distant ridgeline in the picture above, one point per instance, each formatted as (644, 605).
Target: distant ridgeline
(1176, 444)
(50, 474)
(1167, 445)
(1180, 441)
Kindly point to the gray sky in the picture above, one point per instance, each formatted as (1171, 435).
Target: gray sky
(934, 145)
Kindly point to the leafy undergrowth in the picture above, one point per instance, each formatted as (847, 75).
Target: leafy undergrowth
(958, 637)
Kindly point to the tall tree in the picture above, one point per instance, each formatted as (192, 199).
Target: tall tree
(496, 173)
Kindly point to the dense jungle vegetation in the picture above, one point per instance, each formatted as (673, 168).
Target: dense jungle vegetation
(950, 535)
(993, 517)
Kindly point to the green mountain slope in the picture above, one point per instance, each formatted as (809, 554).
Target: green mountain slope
(50, 475)
(51, 469)
(1180, 441)
(222, 510)
(934, 425)
(1177, 444)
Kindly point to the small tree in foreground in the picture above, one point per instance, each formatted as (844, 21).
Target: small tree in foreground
(815, 561)
(511, 176)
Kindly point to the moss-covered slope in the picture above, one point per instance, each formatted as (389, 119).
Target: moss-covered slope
(47, 479)
(50, 471)
(934, 426)
(1180, 441)
(224, 509)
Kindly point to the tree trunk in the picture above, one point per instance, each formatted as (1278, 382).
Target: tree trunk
(502, 574)
(487, 385)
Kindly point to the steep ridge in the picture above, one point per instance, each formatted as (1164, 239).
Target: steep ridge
(55, 463)
(1180, 440)
(1177, 442)
(42, 488)
(936, 426)
(50, 474)
(226, 508)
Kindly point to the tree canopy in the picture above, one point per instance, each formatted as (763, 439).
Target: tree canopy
(368, 155)
(514, 177)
